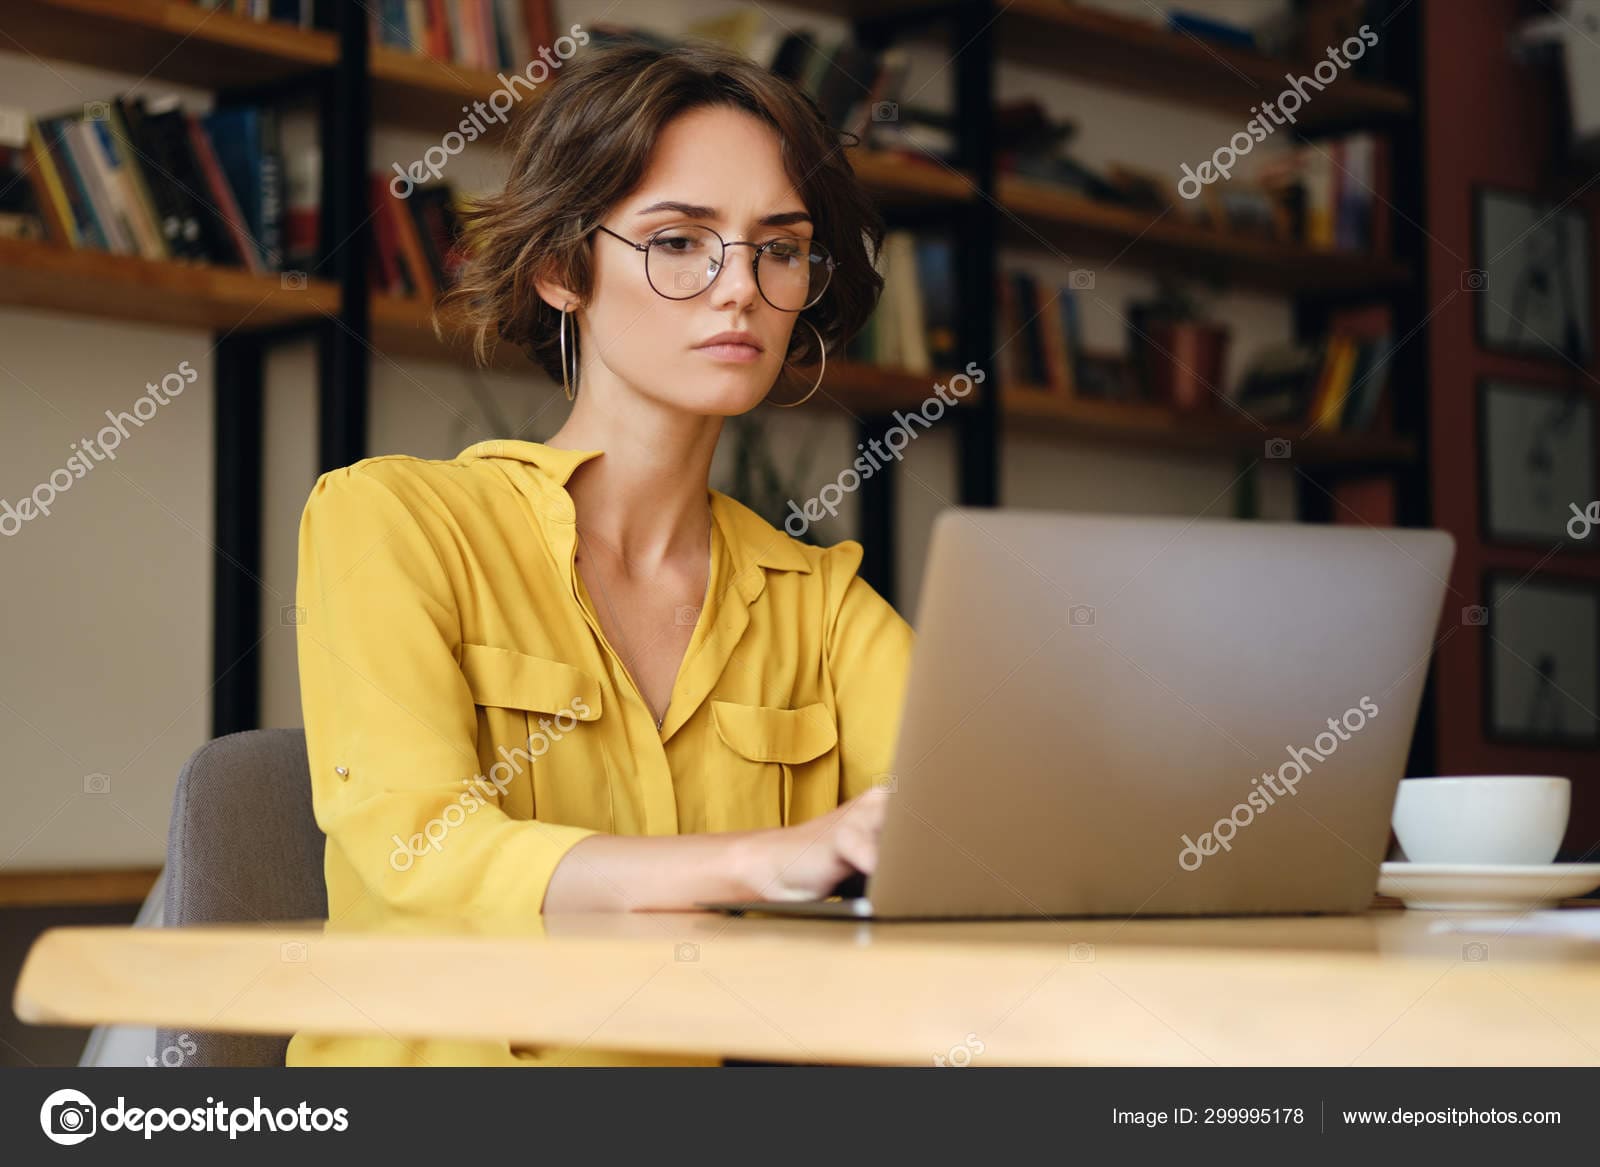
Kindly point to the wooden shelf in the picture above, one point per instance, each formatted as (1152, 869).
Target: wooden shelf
(870, 390)
(1082, 227)
(1141, 57)
(900, 180)
(401, 327)
(128, 289)
(176, 295)
(56, 889)
(1036, 413)
(409, 89)
(188, 45)
(180, 43)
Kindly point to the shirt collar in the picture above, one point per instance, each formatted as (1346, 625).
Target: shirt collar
(749, 537)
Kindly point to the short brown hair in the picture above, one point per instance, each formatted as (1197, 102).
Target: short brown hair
(586, 143)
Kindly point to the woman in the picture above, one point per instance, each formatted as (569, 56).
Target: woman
(568, 676)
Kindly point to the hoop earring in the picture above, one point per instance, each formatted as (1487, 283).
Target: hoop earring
(569, 385)
(821, 347)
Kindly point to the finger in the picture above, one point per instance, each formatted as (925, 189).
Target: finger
(867, 806)
(858, 847)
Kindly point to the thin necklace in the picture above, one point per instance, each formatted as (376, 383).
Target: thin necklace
(617, 623)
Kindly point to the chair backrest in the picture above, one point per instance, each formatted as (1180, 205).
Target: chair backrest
(243, 846)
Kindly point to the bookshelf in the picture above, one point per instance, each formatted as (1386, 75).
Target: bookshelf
(1034, 413)
(182, 44)
(141, 291)
(187, 45)
(1079, 225)
(179, 43)
(1137, 57)
(416, 91)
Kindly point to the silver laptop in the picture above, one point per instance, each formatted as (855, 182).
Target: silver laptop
(1127, 716)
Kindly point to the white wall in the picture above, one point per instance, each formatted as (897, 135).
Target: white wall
(106, 632)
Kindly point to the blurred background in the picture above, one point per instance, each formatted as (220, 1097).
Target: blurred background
(1328, 261)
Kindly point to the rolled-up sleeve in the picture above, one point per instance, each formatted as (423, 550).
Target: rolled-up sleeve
(391, 727)
(869, 654)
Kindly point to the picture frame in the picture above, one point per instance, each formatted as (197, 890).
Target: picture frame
(1537, 475)
(1541, 660)
(1533, 277)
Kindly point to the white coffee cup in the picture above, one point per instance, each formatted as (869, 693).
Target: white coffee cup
(1508, 819)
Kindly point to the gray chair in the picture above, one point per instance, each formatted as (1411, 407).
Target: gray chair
(243, 846)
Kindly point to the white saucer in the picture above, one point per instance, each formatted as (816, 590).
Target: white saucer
(1485, 887)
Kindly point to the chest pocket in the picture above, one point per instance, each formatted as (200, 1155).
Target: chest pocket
(778, 751)
(530, 714)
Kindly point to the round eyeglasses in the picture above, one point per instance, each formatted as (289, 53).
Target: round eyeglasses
(791, 273)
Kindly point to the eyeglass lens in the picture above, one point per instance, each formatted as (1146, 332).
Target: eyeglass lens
(682, 261)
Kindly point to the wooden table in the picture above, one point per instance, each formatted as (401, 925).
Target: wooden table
(1381, 988)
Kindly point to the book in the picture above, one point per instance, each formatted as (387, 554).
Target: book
(167, 176)
(935, 256)
(49, 194)
(220, 199)
(437, 210)
(1058, 361)
(1024, 295)
(1222, 32)
(134, 192)
(1279, 381)
(539, 19)
(909, 319)
(20, 214)
(164, 126)
(1372, 328)
(1334, 384)
(52, 133)
(95, 173)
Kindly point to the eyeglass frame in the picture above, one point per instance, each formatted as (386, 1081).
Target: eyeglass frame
(755, 260)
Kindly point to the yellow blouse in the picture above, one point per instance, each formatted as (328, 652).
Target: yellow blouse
(467, 723)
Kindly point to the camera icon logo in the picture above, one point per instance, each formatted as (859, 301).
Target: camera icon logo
(686, 615)
(1080, 616)
(1081, 280)
(293, 281)
(686, 953)
(686, 281)
(1475, 615)
(290, 614)
(97, 783)
(885, 111)
(293, 952)
(68, 1117)
(96, 111)
(1474, 280)
(1279, 448)
(888, 782)
(1081, 954)
(1475, 953)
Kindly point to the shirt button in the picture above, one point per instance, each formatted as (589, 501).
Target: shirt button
(342, 771)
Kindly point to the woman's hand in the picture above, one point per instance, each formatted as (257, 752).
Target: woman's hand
(806, 862)
(632, 873)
